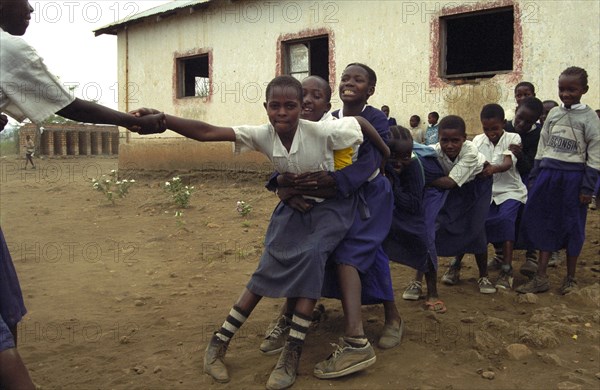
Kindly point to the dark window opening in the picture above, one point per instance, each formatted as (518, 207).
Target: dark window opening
(307, 57)
(477, 44)
(193, 76)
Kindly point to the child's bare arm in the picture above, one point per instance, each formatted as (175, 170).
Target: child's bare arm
(444, 183)
(369, 131)
(504, 166)
(198, 130)
(190, 128)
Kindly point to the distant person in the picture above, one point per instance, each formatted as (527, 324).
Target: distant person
(22, 75)
(431, 133)
(548, 105)
(523, 90)
(417, 132)
(386, 111)
(29, 149)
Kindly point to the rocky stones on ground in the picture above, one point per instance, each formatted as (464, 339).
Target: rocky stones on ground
(518, 351)
(527, 298)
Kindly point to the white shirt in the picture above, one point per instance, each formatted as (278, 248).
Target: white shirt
(312, 147)
(27, 88)
(507, 184)
(465, 166)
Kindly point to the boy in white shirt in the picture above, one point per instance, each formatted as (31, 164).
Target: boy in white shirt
(508, 191)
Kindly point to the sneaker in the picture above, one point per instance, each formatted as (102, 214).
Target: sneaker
(505, 280)
(276, 337)
(452, 276)
(485, 286)
(284, 373)
(537, 284)
(529, 269)
(569, 285)
(345, 360)
(593, 205)
(213, 359)
(413, 292)
(554, 259)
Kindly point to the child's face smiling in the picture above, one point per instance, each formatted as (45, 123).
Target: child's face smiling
(314, 100)
(400, 154)
(493, 129)
(524, 120)
(355, 86)
(523, 92)
(451, 142)
(283, 109)
(570, 89)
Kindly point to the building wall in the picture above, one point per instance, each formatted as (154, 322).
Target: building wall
(398, 39)
(71, 139)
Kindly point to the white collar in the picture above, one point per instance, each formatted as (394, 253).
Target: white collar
(341, 112)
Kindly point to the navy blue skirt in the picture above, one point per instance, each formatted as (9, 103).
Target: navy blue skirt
(361, 248)
(501, 222)
(461, 221)
(553, 217)
(12, 307)
(297, 246)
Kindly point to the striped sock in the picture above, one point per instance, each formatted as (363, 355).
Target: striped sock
(299, 328)
(234, 321)
(356, 341)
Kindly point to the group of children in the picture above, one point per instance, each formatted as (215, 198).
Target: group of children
(450, 199)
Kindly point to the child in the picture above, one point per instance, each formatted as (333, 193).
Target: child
(295, 146)
(418, 134)
(386, 111)
(411, 240)
(562, 181)
(29, 149)
(548, 105)
(508, 190)
(431, 133)
(21, 66)
(523, 90)
(461, 221)
(525, 125)
(358, 271)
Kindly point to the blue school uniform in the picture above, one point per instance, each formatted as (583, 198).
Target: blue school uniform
(12, 307)
(361, 247)
(411, 240)
(461, 221)
(566, 165)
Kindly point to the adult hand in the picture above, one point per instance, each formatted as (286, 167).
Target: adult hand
(3, 121)
(143, 112)
(149, 123)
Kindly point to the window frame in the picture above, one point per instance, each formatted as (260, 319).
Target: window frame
(179, 73)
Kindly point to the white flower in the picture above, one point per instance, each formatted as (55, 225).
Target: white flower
(107, 181)
(132, 181)
(113, 171)
(167, 184)
(176, 178)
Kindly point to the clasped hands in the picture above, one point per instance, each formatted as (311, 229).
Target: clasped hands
(150, 121)
(292, 186)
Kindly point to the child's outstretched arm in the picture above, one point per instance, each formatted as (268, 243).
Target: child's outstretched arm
(369, 132)
(190, 128)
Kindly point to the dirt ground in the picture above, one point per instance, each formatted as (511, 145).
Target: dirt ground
(127, 296)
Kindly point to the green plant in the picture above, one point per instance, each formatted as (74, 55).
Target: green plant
(112, 187)
(179, 219)
(243, 208)
(179, 192)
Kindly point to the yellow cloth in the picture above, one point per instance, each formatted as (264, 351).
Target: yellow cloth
(342, 158)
